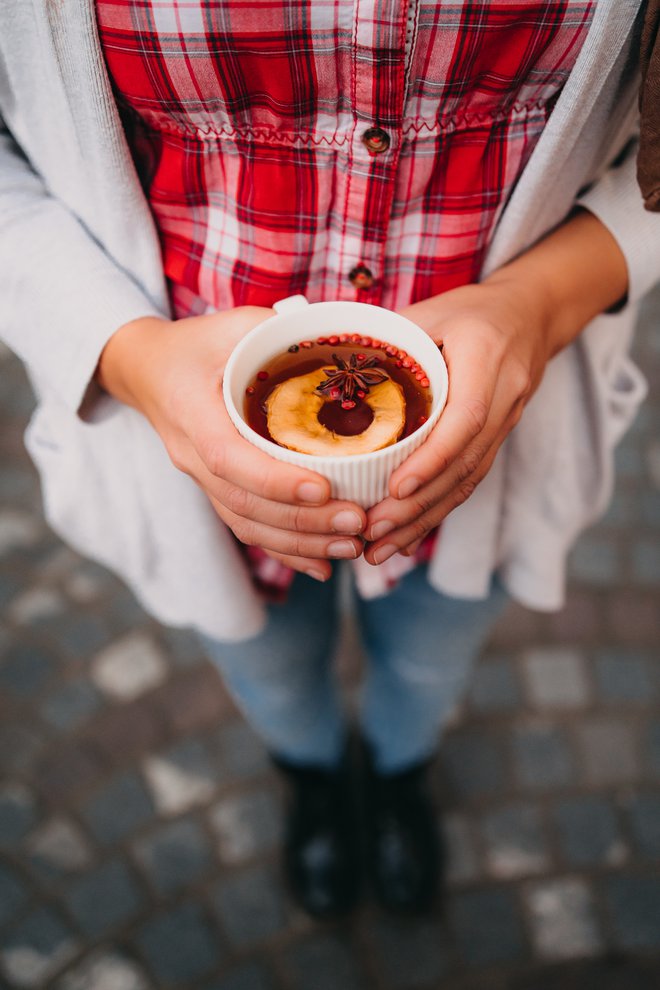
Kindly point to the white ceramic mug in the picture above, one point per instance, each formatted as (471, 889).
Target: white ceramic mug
(360, 478)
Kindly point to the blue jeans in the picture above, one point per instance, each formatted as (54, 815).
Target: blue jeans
(420, 645)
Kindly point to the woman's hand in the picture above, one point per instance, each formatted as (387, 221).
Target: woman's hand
(496, 338)
(172, 373)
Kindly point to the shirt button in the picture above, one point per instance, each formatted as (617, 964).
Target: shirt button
(361, 277)
(376, 140)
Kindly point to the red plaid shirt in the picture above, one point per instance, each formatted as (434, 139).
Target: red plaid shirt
(343, 150)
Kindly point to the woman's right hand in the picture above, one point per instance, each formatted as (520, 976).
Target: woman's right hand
(172, 372)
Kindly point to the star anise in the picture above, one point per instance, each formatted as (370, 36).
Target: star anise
(350, 379)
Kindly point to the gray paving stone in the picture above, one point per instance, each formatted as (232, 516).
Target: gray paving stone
(70, 705)
(36, 606)
(624, 675)
(250, 976)
(588, 831)
(121, 807)
(487, 926)
(324, 962)
(35, 948)
(247, 824)
(241, 751)
(595, 560)
(514, 841)
(10, 586)
(129, 667)
(17, 484)
(410, 953)
(542, 756)
(18, 529)
(462, 859)
(65, 770)
(652, 747)
(621, 511)
(20, 747)
(88, 582)
(26, 669)
(634, 905)
(183, 647)
(563, 919)
(104, 899)
(608, 748)
(179, 946)
(175, 855)
(13, 893)
(555, 677)
(58, 848)
(644, 812)
(646, 562)
(629, 462)
(251, 906)
(633, 615)
(105, 971)
(495, 687)
(651, 508)
(81, 634)
(182, 777)
(473, 763)
(18, 814)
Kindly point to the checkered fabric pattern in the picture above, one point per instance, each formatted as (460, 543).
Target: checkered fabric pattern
(283, 144)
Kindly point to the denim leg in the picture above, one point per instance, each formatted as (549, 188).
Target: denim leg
(421, 647)
(282, 678)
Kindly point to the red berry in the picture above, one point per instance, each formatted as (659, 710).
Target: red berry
(365, 341)
(335, 393)
(355, 338)
(419, 375)
(361, 394)
(391, 351)
(306, 343)
(399, 363)
(415, 368)
(361, 357)
(376, 344)
(321, 340)
(407, 362)
(402, 355)
(250, 390)
(425, 383)
(343, 337)
(348, 404)
(262, 376)
(333, 340)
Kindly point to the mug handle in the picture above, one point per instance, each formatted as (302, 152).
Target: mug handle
(283, 307)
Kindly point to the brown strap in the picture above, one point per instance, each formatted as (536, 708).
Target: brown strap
(648, 158)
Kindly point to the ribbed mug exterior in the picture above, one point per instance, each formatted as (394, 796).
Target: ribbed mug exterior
(360, 478)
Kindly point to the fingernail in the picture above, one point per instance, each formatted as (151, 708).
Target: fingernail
(317, 575)
(380, 528)
(342, 548)
(310, 491)
(346, 521)
(408, 486)
(382, 553)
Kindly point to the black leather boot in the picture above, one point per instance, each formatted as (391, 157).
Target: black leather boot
(404, 856)
(321, 850)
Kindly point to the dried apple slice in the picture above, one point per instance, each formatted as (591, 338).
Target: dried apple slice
(293, 407)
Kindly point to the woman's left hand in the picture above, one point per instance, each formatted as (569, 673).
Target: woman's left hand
(497, 338)
(495, 341)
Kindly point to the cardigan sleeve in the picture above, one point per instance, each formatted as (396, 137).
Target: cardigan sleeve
(61, 296)
(617, 201)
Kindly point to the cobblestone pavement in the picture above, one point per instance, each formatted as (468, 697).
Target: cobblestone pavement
(139, 819)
